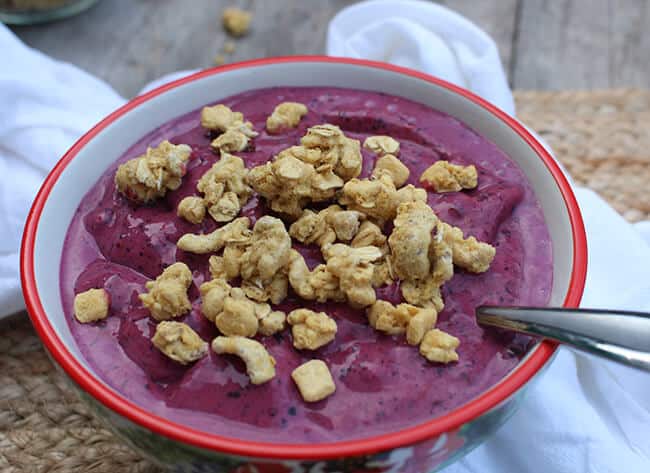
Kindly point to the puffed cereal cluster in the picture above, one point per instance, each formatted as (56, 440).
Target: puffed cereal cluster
(420, 251)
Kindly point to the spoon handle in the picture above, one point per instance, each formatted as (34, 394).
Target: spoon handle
(618, 335)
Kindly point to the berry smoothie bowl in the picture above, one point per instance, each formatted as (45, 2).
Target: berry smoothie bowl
(273, 266)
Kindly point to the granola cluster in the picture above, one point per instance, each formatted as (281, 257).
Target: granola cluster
(379, 197)
(314, 380)
(286, 115)
(311, 172)
(179, 342)
(382, 145)
(167, 295)
(91, 305)
(149, 177)
(260, 365)
(443, 176)
(311, 330)
(235, 133)
(327, 226)
(224, 188)
(253, 268)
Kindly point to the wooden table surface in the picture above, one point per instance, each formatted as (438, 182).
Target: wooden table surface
(544, 44)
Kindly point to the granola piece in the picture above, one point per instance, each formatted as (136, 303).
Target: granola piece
(439, 346)
(410, 240)
(441, 257)
(423, 292)
(376, 198)
(217, 268)
(264, 261)
(237, 317)
(260, 366)
(236, 231)
(226, 209)
(319, 284)
(393, 320)
(311, 330)
(230, 171)
(410, 193)
(235, 132)
(286, 183)
(228, 266)
(272, 323)
(286, 115)
(312, 172)
(345, 223)
(393, 167)
(468, 253)
(423, 321)
(236, 21)
(426, 292)
(268, 251)
(383, 273)
(224, 187)
(150, 176)
(274, 289)
(179, 342)
(311, 228)
(213, 295)
(443, 176)
(441, 254)
(232, 311)
(382, 145)
(354, 269)
(167, 296)
(220, 118)
(369, 234)
(326, 226)
(385, 317)
(230, 141)
(313, 156)
(337, 150)
(314, 380)
(192, 209)
(91, 305)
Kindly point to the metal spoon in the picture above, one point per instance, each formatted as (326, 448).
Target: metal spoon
(617, 335)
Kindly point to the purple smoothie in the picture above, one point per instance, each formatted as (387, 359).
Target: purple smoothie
(382, 383)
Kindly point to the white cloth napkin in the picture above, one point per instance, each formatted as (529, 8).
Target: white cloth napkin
(426, 37)
(45, 106)
(585, 415)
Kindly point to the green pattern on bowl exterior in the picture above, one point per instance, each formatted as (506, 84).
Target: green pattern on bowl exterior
(428, 456)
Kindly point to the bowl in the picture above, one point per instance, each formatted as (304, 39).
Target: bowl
(424, 447)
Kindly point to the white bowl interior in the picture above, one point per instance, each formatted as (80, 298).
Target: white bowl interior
(107, 146)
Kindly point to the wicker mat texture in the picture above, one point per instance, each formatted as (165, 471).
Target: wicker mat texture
(603, 139)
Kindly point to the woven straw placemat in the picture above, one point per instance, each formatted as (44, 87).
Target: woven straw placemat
(603, 138)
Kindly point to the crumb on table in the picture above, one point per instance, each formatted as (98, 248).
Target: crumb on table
(236, 21)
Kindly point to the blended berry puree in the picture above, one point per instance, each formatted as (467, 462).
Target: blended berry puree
(382, 383)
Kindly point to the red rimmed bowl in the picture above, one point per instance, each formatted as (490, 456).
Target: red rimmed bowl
(423, 447)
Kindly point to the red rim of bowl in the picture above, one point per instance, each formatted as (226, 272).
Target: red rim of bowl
(448, 422)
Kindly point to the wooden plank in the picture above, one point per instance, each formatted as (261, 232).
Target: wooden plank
(496, 17)
(129, 43)
(582, 44)
(629, 64)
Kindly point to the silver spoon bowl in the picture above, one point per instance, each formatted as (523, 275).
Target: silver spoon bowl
(620, 336)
